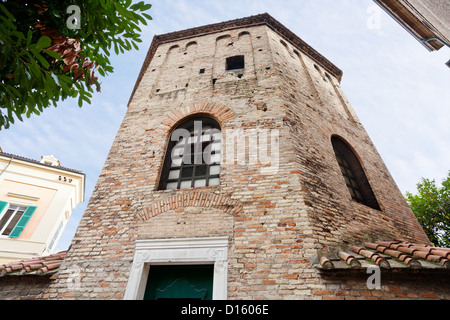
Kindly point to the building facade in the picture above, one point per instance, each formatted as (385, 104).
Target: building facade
(241, 171)
(36, 201)
(427, 20)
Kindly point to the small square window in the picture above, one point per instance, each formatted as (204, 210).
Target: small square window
(202, 71)
(235, 63)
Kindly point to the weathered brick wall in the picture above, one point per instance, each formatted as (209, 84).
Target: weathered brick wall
(24, 287)
(405, 285)
(317, 109)
(276, 222)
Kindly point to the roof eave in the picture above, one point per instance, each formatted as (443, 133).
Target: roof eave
(420, 31)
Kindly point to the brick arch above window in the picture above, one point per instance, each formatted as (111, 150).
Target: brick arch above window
(191, 199)
(222, 37)
(243, 33)
(217, 111)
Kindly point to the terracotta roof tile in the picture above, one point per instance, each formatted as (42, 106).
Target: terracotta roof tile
(389, 255)
(349, 259)
(326, 263)
(35, 266)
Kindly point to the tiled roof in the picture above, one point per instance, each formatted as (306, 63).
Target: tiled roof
(388, 255)
(14, 156)
(40, 266)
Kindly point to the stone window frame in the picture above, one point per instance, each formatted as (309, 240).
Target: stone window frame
(184, 251)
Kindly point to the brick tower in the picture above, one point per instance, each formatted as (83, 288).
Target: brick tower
(281, 175)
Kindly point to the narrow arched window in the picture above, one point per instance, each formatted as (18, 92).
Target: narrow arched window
(354, 175)
(193, 155)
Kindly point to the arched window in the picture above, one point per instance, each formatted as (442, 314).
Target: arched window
(354, 175)
(193, 155)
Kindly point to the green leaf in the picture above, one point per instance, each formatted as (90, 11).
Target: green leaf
(80, 101)
(136, 6)
(127, 3)
(19, 35)
(7, 13)
(29, 37)
(38, 82)
(15, 91)
(146, 7)
(149, 17)
(52, 54)
(41, 59)
(44, 42)
(56, 14)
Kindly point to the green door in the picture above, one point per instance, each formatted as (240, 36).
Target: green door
(180, 282)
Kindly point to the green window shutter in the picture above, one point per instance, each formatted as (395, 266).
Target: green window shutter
(22, 222)
(3, 204)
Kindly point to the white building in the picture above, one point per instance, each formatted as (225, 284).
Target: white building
(36, 201)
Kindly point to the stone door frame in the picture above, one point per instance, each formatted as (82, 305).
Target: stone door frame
(178, 252)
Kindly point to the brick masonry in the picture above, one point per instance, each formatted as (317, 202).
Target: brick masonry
(276, 224)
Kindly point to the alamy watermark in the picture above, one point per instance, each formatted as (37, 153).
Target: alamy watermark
(74, 20)
(374, 280)
(242, 147)
(74, 278)
(374, 18)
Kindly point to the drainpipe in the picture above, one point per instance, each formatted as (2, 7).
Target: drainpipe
(441, 41)
(423, 41)
(437, 39)
(7, 165)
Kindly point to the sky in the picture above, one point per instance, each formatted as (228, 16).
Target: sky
(399, 89)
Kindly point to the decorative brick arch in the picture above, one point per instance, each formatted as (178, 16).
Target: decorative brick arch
(191, 199)
(216, 110)
(330, 130)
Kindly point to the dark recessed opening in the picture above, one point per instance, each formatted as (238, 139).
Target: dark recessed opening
(202, 71)
(214, 81)
(235, 63)
(354, 175)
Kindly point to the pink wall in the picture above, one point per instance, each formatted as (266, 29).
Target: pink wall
(45, 196)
